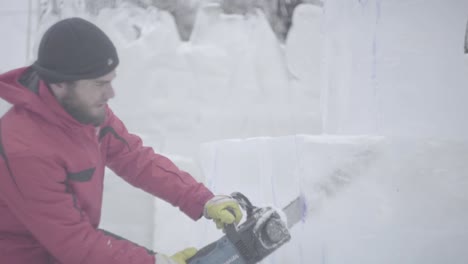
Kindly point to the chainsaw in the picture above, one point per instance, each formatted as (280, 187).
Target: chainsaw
(263, 232)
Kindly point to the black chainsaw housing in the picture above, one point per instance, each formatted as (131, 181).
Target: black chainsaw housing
(262, 232)
(258, 236)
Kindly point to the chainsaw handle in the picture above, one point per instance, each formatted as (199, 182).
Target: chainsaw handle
(244, 203)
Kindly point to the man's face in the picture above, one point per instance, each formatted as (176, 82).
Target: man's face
(86, 100)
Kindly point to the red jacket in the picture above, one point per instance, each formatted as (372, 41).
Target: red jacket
(51, 180)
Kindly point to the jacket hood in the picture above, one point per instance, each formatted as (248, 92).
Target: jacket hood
(13, 91)
(23, 88)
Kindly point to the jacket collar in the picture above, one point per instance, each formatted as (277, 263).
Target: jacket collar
(21, 88)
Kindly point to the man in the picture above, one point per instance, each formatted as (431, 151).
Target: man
(54, 144)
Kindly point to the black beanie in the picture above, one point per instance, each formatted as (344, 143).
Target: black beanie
(75, 49)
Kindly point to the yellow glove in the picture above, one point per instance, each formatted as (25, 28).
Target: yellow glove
(180, 257)
(223, 210)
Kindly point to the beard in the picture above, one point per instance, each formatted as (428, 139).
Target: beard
(81, 111)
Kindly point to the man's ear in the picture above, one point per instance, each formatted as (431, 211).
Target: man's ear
(58, 89)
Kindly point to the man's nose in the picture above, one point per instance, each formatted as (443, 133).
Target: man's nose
(109, 92)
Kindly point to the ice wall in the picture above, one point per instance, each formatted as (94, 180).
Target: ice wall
(303, 49)
(395, 68)
(369, 199)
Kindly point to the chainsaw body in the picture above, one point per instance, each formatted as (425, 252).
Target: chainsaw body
(258, 236)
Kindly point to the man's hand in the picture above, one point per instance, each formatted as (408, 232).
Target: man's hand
(180, 257)
(223, 210)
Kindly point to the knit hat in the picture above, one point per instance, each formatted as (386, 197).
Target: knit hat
(75, 49)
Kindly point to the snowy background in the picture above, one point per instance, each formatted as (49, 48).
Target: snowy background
(361, 109)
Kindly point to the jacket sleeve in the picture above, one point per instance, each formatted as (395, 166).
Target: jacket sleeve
(154, 173)
(34, 190)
